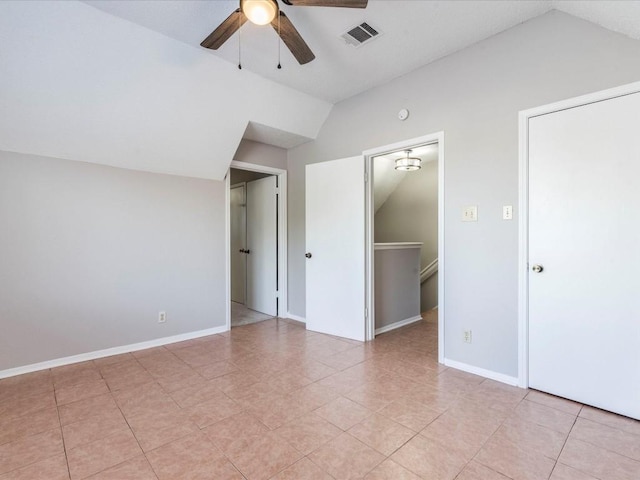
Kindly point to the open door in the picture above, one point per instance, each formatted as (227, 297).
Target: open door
(262, 246)
(335, 240)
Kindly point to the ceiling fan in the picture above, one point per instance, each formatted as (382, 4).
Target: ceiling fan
(262, 12)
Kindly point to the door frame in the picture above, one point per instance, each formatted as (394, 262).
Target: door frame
(438, 138)
(523, 206)
(283, 263)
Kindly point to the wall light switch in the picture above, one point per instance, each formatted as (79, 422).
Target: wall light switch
(507, 212)
(470, 214)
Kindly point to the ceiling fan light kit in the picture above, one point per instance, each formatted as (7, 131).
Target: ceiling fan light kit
(260, 12)
(264, 12)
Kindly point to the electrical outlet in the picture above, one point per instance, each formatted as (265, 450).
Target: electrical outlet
(507, 212)
(470, 214)
(162, 317)
(467, 336)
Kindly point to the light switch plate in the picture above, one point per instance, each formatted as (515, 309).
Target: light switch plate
(470, 214)
(507, 212)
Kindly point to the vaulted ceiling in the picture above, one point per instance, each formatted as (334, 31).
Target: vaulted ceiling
(132, 87)
(413, 33)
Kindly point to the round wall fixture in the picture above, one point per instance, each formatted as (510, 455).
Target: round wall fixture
(403, 114)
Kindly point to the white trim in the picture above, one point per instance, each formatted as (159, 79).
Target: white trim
(297, 318)
(108, 352)
(498, 377)
(254, 167)
(370, 304)
(401, 323)
(523, 202)
(427, 272)
(396, 245)
(227, 249)
(283, 259)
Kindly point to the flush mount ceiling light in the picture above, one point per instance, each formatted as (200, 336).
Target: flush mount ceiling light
(408, 164)
(260, 12)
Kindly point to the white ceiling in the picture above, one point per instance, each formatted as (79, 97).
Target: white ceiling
(386, 179)
(415, 32)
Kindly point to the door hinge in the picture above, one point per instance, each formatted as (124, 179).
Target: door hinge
(366, 313)
(366, 177)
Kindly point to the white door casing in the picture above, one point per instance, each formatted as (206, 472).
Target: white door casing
(262, 246)
(584, 229)
(370, 154)
(238, 243)
(335, 239)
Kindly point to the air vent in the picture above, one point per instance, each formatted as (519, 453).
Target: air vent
(360, 34)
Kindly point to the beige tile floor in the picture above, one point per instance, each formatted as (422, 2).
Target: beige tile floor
(273, 401)
(241, 315)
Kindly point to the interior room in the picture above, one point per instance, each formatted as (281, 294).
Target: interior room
(128, 133)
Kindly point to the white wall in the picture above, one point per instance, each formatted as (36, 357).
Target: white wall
(260, 153)
(90, 254)
(80, 84)
(473, 96)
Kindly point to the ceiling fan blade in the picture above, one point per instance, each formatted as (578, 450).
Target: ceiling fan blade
(328, 3)
(224, 30)
(292, 39)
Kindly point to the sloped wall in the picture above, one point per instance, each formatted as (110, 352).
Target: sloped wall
(80, 84)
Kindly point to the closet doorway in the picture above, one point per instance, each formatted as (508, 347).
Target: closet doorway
(254, 246)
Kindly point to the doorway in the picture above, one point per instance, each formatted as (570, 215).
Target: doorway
(432, 269)
(339, 241)
(256, 243)
(405, 237)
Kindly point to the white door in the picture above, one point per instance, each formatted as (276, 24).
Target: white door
(262, 246)
(584, 230)
(238, 243)
(335, 244)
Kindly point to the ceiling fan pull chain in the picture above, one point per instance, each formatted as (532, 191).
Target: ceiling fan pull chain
(239, 42)
(279, 42)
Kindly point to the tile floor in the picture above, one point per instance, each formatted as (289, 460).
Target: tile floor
(273, 401)
(241, 315)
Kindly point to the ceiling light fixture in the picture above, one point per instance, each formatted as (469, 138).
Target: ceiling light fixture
(260, 12)
(408, 164)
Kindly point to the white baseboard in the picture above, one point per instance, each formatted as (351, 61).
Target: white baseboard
(401, 323)
(498, 377)
(296, 317)
(83, 357)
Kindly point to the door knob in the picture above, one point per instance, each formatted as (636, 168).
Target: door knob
(537, 268)
(247, 252)
(241, 250)
(308, 255)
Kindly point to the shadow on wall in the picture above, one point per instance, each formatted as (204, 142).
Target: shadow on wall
(406, 210)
